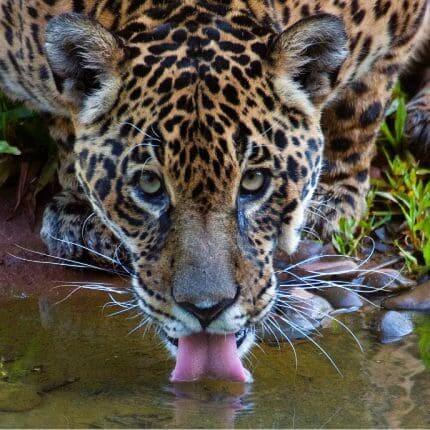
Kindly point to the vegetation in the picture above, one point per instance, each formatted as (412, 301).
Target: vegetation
(399, 197)
(34, 165)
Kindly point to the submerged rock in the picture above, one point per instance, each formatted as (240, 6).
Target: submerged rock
(298, 315)
(393, 326)
(306, 249)
(330, 266)
(16, 397)
(340, 297)
(384, 280)
(417, 299)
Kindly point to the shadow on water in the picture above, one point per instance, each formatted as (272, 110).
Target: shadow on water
(70, 365)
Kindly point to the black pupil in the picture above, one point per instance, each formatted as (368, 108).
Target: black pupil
(150, 178)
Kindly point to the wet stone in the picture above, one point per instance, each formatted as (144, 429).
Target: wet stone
(383, 280)
(340, 297)
(306, 249)
(417, 299)
(393, 326)
(16, 397)
(331, 266)
(299, 314)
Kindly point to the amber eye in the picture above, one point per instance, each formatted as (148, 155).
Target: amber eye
(150, 183)
(253, 181)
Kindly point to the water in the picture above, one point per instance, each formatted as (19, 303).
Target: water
(83, 370)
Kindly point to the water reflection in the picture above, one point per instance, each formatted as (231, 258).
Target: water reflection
(90, 373)
(214, 403)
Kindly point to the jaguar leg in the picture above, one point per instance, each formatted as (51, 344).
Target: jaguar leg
(418, 121)
(350, 126)
(70, 228)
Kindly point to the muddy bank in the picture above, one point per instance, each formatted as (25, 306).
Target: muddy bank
(20, 278)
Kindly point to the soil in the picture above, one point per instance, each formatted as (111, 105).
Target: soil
(19, 278)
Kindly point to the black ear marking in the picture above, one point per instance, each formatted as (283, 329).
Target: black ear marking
(84, 59)
(311, 52)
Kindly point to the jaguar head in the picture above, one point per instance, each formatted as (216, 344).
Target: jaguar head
(199, 145)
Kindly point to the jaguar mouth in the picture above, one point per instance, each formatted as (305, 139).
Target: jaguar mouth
(204, 355)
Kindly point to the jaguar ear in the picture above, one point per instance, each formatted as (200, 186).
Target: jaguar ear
(309, 55)
(84, 58)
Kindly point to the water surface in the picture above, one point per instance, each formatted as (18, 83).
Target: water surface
(89, 372)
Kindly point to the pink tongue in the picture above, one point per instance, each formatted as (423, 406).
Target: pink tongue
(208, 355)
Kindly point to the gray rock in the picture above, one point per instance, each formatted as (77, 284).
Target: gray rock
(16, 397)
(417, 299)
(300, 314)
(331, 266)
(306, 249)
(393, 326)
(341, 297)
(385, 280)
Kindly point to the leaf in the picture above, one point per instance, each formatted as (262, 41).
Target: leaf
(400, 121)
(387, 196)
(387, 133)
(426, 253)
(423, 172)
(5, 148)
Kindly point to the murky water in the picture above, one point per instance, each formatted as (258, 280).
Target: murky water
(71, 366)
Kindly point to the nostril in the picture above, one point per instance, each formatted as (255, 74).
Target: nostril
(206, 315)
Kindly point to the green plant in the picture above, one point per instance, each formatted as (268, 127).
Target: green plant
(401, 194)
(26, 151)
(394, 135)
(406, 189)
(10, 115)
(352, 233)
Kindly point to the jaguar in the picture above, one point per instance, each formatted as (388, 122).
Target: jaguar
(194, 136)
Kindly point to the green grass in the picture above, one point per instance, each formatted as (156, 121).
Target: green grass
(11, 115)
(400, 196)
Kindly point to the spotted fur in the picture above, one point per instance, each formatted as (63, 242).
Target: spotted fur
(199, 92)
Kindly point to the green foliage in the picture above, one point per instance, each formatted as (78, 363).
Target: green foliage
(407, 190)
(401, 195)
(352, 233)
(5, 148)
(394, 135)
(24, 140)
(10, 115)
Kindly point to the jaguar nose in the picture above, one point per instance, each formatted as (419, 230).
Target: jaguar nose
(206, 315)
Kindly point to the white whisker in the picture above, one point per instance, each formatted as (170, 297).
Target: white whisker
(294, 326)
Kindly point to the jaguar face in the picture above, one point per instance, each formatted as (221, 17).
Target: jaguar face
(199, 145)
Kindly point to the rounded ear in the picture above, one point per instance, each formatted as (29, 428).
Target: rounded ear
(309, 54)
(84, 58)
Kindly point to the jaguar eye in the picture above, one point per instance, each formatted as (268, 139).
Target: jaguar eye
(253, 181)
(150, 183)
